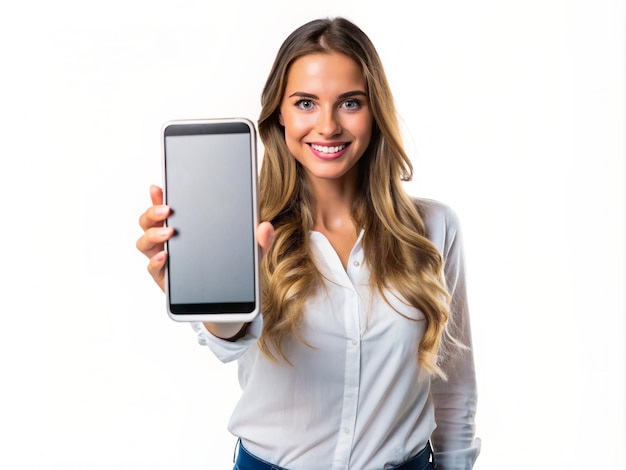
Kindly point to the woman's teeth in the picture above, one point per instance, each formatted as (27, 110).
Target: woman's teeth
(326, 149)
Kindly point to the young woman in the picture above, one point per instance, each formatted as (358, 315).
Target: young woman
(361, 358)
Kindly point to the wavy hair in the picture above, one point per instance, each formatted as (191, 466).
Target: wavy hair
(395, 244)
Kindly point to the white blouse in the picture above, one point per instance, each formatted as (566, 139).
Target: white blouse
(355, 397)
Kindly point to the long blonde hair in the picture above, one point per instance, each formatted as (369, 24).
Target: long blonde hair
(395, 244)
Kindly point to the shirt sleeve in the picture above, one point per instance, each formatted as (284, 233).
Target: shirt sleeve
(227, 351)
(455, 400)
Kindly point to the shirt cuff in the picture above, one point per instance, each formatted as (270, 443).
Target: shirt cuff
(462, 459)
(224, 350)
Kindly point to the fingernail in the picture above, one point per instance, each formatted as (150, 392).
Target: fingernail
(160, 210)
(163, 232)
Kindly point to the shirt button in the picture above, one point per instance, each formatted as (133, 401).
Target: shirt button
(346, 430)
(355, 342)
(356, 264)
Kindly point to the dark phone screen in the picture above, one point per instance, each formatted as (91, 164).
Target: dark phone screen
(208, 181)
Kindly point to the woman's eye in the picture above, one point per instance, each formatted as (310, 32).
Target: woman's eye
(351, 104)
(305, 104)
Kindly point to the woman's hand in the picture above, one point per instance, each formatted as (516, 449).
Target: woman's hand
(155, 234)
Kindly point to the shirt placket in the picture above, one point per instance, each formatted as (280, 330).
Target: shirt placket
(352, 374)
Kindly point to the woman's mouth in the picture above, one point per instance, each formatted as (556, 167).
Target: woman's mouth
(328, 151)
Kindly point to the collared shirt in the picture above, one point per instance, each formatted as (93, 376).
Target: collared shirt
(354, 395)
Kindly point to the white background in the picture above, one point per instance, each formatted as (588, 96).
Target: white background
(515, 116)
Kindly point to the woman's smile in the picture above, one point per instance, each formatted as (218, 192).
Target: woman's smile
(328, 151)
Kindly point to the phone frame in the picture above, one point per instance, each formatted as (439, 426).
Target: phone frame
(214, 316)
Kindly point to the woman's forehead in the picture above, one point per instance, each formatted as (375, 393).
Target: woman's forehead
(324, 73)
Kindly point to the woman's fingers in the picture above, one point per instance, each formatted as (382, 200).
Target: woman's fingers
(265, 236)
(156, 195)
(153, 240)
(156, 268)
(155, 234)
(152, 223)
(154, 216)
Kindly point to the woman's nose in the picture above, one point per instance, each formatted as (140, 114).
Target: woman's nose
(327, 123)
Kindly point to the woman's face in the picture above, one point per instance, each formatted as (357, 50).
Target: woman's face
(326, 114)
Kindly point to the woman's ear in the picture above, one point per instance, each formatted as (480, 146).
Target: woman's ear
(280, 119)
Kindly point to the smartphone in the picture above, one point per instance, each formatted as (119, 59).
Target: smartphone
(210, 185)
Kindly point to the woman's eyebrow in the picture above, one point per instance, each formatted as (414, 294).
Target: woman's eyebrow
(350, 94)
(347, 94)
(301, 94)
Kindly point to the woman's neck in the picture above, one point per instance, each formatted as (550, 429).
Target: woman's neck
(334, 200)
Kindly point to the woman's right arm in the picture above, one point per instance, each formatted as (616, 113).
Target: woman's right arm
(152, 245)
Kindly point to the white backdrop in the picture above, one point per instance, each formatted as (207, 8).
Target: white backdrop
(514, 113)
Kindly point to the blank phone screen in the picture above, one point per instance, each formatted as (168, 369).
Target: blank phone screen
(209, 188)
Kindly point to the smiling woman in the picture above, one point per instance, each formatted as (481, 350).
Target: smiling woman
(362, 356)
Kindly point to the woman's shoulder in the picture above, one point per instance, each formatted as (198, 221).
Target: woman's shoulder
(440, 220)
(435, 212)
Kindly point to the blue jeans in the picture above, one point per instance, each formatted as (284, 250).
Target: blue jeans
(246, 461)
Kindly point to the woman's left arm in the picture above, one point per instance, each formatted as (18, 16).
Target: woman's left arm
(455, 400)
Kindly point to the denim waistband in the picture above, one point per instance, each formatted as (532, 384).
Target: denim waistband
(246, 461)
